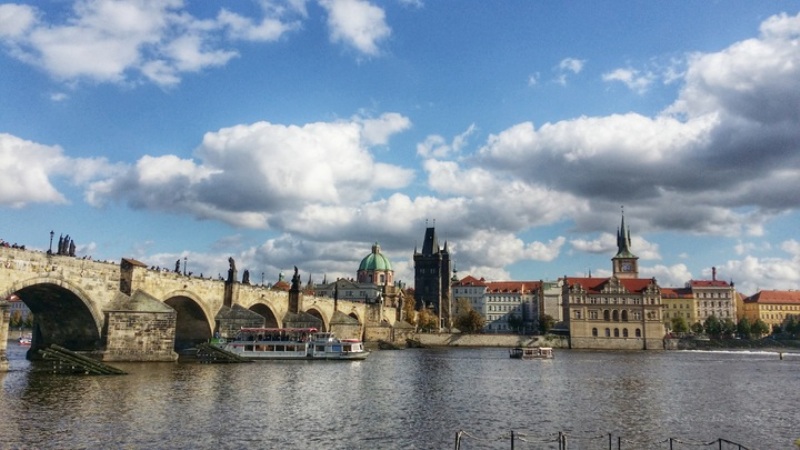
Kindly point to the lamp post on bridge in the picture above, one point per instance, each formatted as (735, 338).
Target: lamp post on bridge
(184, 265)
(50, 251)
(262, 278)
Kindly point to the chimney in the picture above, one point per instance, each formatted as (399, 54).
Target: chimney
(713, 274)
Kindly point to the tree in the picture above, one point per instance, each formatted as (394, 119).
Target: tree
(791, 325)
(427, 320)
(679, 325)
(697, 328)
(759, 328)
(515, 322)
(744, 328)
(16, 319)
(408, 310)
(728, 327)
(470, 322)
(712, 326)
(546, 323)
(28, 322)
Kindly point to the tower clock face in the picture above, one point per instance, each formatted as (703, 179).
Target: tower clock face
(626, 267)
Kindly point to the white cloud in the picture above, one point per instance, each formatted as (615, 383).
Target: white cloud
(15, 20)
(572, 65)
(112, 41)
(248, 173)
(435, 146)
(733, 126)
(28, 169)
(357, 23)
(633, 79)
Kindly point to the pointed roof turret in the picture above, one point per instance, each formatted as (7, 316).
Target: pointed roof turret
(624, 241)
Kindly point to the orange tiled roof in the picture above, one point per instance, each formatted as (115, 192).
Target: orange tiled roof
(469, 280)
(595, 285)
(676, 293)
(709, 283)
(511, 286)
(784, 297)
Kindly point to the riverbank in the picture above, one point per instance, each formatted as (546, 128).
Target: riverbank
(766, 344)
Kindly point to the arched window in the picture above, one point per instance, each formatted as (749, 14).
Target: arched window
(606, 315)
(608, 332)
(616, 332)
(615, 315)
(624, 315)
(594, 332)
(624, 332)
(638, 333)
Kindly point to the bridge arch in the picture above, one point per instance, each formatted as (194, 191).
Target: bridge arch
(64, 314)
(193, 323)
(265, 311)
(318, 314)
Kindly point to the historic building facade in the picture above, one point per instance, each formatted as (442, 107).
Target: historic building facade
(620, 312)
(772, 307)
(432, 267)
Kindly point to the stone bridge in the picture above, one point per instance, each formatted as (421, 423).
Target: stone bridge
(128, 312)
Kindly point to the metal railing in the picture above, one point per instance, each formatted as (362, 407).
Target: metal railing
(562, 441)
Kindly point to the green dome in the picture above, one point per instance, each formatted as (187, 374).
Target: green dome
(375, 261)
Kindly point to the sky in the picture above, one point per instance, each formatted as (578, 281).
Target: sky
(301, 132)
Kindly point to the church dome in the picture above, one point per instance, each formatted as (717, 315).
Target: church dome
(375, 261)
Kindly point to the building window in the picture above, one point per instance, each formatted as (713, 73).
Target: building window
(608, 332)
(624, 332)
(624, 315)
(615, 315)
(616, 332)
(606, 315)
(594, 332)
(638, 333)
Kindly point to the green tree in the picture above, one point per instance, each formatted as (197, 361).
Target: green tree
(759, 328)
(15, 320)
(679, 325)
(697, 328)
(744, 328)
(515, 323)
(470, 322)
(546, 323)
(712, 326)
(727, 327)
(792, 325)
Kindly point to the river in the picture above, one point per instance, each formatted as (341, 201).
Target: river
(412, 399)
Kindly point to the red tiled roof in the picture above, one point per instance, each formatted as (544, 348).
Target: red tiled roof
(673, 293)
(791, 297)
(596, 284)
(469, 280)
(709, 283)
(511, 286)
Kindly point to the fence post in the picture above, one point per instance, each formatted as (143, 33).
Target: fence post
(458, 440)
(512, 439)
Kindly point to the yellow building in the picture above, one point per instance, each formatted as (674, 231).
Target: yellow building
(772, 307)
(678, 302)
(620, 312)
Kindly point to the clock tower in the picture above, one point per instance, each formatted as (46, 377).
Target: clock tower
(625, 263)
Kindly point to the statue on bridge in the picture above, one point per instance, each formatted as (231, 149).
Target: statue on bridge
(246, 277)
(232, 270)
(295, 280)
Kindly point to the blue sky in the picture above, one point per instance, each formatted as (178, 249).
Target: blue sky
(298, 133)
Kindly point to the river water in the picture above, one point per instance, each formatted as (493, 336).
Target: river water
(412, 399)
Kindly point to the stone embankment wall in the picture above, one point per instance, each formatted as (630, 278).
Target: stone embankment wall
(490, 340)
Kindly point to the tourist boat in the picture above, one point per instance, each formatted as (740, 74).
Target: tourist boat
(531, 353)
(24, 340)
(292, 344)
